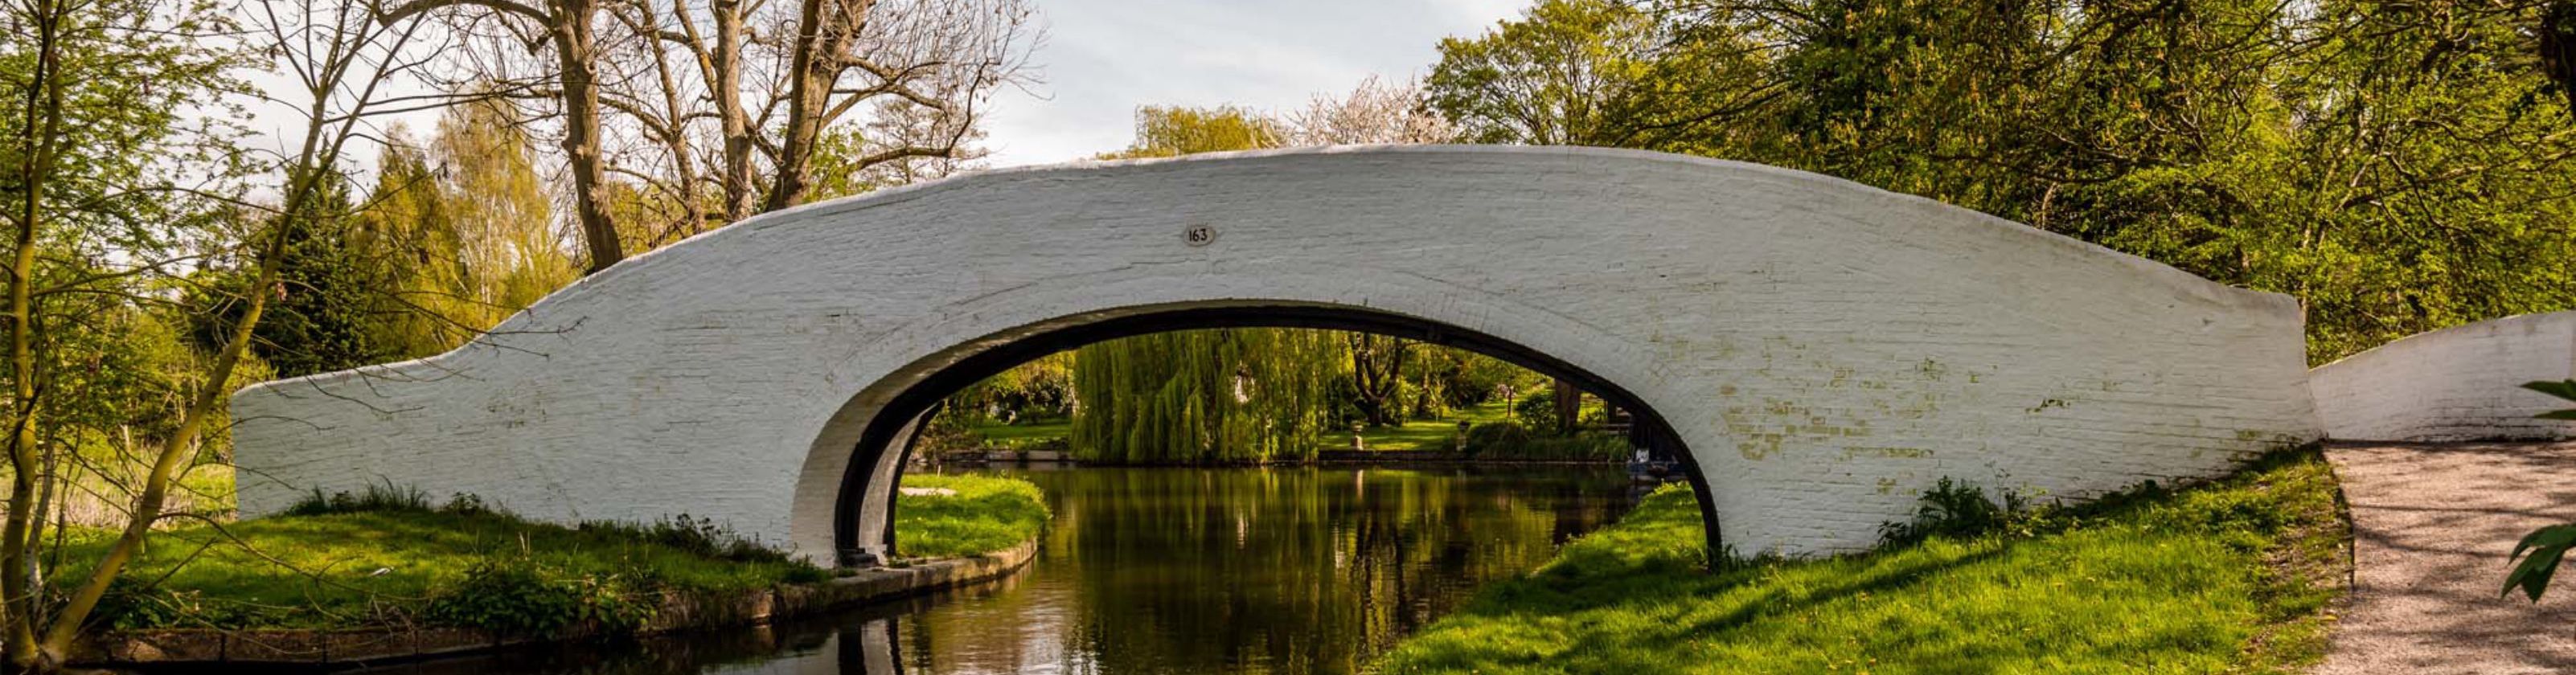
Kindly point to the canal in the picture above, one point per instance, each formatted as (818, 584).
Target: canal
(1150, 571)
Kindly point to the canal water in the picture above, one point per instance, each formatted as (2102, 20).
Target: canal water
(1151, 571)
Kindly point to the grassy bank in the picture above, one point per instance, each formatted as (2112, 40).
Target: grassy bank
(392, 557)
(982, 514)
(1440, 435)
(2228, 577)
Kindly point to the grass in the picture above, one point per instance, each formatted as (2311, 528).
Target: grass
(2229, 577)
(388, 557)
(985, 514)
(1413, 435)
(1431, 435)
(999, 435)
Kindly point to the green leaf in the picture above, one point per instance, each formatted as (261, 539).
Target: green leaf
(2563, 389)
(2547, 546)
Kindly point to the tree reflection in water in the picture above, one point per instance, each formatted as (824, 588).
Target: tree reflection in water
(1173, 570)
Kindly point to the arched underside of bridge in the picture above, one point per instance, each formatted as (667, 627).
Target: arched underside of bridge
(1822, 349)
(863, 527)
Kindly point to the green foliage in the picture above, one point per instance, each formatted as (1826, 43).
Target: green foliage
(1042, 388)
(1171, 131)
(1569, 72)
(2546, 546)
(386, 498)
(701, 538)
(320, 318)
(384, 556)
(1958, 510)
(2187, 581)
(514, 595)
(2564, 390)
(1206, 396)
(1536, 412)
(1512, 440)
(984, 514)
(2400, 167)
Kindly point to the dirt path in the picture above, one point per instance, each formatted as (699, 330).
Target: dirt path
(2432, 525)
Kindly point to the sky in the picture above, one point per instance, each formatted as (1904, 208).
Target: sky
(1102, 58)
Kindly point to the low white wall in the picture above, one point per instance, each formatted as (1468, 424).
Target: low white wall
(2457, 384)
(1826, 350)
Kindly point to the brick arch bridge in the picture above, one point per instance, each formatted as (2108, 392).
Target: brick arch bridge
(1821, 351)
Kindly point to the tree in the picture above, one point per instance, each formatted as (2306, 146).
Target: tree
(795, 100)
(1377, 373)
(1205, 396)
(570, 28)
(2399, 167)
(461, 232)
(94, 91)
(1375, 112)
(98, 141)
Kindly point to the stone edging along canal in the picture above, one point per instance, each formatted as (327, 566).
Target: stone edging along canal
(207, 646)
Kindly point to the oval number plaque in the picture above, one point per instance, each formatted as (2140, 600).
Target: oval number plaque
(1199, 235)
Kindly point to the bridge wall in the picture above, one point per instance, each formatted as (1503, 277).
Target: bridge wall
(2457, 384)
(1826, 350)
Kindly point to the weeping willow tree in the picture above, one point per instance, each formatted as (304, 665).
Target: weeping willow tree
(1206, 396)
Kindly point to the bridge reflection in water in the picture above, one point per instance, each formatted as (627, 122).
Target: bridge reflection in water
(1172, 571)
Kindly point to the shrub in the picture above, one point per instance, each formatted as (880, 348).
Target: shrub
(130, 604)
(1957, 509)
(1536, 411)
(377, 498)
(703, 538)
(1511, 440)
(517, 596)
(468, 505)
(1496, 437)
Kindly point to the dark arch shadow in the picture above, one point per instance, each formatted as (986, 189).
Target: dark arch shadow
(896, 427)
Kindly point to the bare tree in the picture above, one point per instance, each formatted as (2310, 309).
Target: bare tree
(945, 57)
(570, 28)
(1375, 112)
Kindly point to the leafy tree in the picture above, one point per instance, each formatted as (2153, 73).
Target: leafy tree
(121, 175)
(2399, 167)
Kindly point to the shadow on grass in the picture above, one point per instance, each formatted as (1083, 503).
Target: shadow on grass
(2195, 580)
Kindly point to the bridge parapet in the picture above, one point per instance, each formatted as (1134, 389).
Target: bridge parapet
(2462, 383)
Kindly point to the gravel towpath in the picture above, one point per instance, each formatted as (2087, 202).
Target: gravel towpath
(2432, 525)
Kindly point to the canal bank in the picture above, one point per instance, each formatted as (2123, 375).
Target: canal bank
(1164, 571)
(673, 612)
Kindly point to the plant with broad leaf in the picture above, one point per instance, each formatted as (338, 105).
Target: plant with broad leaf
(2545, 546)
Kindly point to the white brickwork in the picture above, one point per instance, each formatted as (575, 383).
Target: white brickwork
(1825, 349)
(2458, 384)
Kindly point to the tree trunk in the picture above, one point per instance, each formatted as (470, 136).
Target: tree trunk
(1569, 406)
(822, 37)
(740, 197)
(576, 52)
(42, 127)
(1377, 365)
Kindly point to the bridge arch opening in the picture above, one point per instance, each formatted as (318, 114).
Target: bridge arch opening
(899, 409)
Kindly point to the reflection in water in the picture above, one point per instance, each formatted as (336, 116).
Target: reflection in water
(1174, 570)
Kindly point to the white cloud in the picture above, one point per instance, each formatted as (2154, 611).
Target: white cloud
(1105, 57)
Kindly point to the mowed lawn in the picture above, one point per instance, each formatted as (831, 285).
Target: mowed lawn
(1413, 435)
(2229, 577)
(979, 514)
(1427, 435)
(997, 435)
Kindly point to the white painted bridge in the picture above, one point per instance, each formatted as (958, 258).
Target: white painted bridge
(1821, 351)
